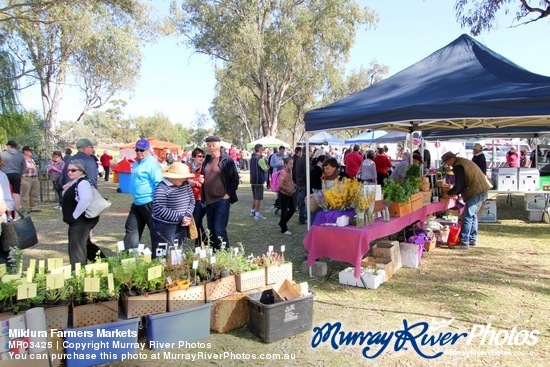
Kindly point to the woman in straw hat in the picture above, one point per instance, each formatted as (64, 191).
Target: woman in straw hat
(173, 206)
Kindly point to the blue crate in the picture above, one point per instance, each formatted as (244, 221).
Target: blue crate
(111, 353)
(166, 330)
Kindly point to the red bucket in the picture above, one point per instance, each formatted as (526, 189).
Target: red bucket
(454, 235)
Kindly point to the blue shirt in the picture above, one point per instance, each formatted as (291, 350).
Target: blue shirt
(146, 174)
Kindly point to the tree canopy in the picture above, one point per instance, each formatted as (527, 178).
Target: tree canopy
(480, 15)
(273, 50)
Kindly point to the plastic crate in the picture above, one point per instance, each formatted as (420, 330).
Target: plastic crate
(57, 317)
(105, 349)
(278, 273)
(185, 298)
(250, 280)
(148, 304)
(272, 321)
(220, 288)
(95, 314)
(170, 329)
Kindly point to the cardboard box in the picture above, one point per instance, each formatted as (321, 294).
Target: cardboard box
(528, 179)
(285, 291)
(382, 264)
(507, 179)
(489, 214)
(534, 202)
(388, 250)
(411, 254)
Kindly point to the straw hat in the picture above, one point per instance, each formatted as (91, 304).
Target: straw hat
(177, 170)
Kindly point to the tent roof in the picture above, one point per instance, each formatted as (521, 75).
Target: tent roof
(155, 144)
(267, 141)
(462, 85)
(488, 133)
(324, 138)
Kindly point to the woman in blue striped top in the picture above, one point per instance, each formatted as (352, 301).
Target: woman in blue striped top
(173, 205)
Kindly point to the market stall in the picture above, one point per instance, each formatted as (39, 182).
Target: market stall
(159, 147)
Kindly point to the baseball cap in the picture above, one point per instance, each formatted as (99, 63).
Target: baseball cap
(82, 143)
(143, 144)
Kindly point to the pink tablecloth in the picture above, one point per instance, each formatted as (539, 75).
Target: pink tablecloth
(350, 244)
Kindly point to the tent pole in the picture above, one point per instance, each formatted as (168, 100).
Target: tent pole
(308, 182)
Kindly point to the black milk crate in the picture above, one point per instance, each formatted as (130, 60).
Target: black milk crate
(272, 320)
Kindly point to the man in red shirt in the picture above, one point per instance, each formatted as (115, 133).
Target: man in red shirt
(105, 160)
(353, 162)
(383, 164)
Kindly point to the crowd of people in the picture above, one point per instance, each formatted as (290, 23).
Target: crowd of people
(174, 195)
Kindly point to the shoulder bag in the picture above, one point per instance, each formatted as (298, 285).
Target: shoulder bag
(98, 205)
(18, 233)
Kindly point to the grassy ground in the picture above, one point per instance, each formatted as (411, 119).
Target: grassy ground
(503, 282)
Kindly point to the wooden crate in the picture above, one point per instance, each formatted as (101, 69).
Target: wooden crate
(417, 201)
(278, 273)
(398, 209)
(57, 317)
(250, 280)
(186, 298)
(220, 288)
(148, 304)
(95, 314)
(430, 245)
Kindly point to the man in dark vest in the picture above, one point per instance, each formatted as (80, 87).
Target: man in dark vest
(473, 186)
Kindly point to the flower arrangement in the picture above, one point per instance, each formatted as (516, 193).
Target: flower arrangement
(341, 196)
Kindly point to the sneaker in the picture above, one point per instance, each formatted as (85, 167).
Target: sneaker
(252, 213)
(259, 217)
(474, 244)
(462, 246)
(57, 207)
(287, 233)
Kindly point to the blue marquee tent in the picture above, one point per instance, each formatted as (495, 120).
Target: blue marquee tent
(366, 137)
(460, 86)
(324, 138)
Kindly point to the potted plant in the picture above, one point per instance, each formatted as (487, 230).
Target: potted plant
(250, 273)
(182, 283)
(8, 295)
(222, 280)
(277, 268)
(396, 197)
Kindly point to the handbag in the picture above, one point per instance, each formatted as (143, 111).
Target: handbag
(18, 233)
(193, 233)
(98, 205)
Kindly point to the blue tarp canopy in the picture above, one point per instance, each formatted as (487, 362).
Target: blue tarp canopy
(464, 85)
(324, 138)
(366, 137)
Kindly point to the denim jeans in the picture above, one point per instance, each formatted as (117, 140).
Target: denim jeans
(138, 218)
(300, 196)
(217, 216)
(162, 232)
(469, 219)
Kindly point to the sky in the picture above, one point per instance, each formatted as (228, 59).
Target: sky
(180, 84)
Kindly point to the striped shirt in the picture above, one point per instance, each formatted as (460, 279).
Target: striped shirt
(171, 203)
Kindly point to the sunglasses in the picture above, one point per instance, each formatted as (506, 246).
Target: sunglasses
(139, 150)
(200, 156)
(72, 170)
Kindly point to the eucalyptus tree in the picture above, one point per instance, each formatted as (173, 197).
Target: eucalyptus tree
(10, 116)
(270, 43)
(480, 15)
(91, 43)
